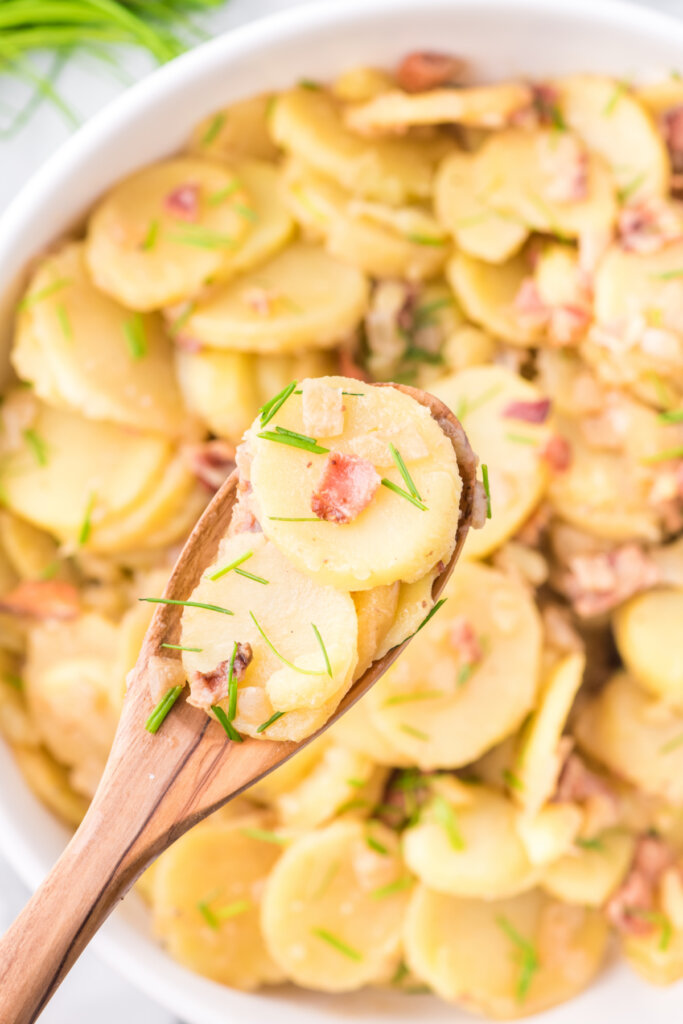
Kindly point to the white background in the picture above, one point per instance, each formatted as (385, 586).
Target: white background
(93, 994)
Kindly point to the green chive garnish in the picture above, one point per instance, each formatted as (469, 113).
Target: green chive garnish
(136, 337)
(323, 649)
(464, 673)
(157, 717)
(228, 726)
(428, 616)
(356, 804)
(308, 83)
(487, 488)
(296, 519)
(150, 239)
(403, 470)
(672, 745)
(51, 570)
(37, 445)
(400, 885)
(218, 197)
(294, 440)
(529, 964)
(590, 844)
(666, 455)
(671, 416)
(326, 880)
(303, 671)
(64, 322)
(268, 410)
(625, 193)
(419, 239)
(43, 293)
(246, 212)
(264, 836)
(15, 681)
(520, 438)
(251, 576)
(187, 604)
(228, 568)
(273, 718)
(202, 238)
(611, 104)
(655, 917)
(424, 315)
(410, 730)
(668, 275)
(179, 647)
(356, 783)
(86, 525)
(404, 494)
(177, 325)
(208, 915)
(375, 845)
(512, 781)
(405, 698)
(336, 943)
(448, 820)
(213, 128)
(233, 909)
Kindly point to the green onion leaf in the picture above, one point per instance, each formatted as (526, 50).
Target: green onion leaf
(64, 322)
(273, 718)
(179, 647)
(208, 915)
(410, 730)
(150, 239)
(671, 416)
(177, 325)
(15, 681)
(162, 709)
(512, 781)
(213, 128)
(403, 470)
(228, 726)
(668, 275)
(406, 698)
(246, 212)
(323, 649)
(264, 836)
(404, 494)
(448, 820)
(590, 844)
(428, 616)
(224, 193)
(232, 685)
(202, 238)
(38, 446)
(420, 239)
(665, 456)
(400, 885)
(289, 437)
(296, 519)
(375, 845)
(136, 337)
(303, 671)
(43, 293)
(487, 488)
(86, 525)
(228, 568)
(520, 438)
(657, 918)
(187, 604)
(529, 963)
(671, 745)
(336, 943)
(268, 410)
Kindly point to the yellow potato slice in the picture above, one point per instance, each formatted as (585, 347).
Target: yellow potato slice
(32, 553)
(361, 83)
(391, 539)
(472, 850)
(147, 257)
(442, 714)
(289, 774)
(518, 475)
(657, 957)
(636, 737)
(81, 350)
(487, 294)
(356, 730)
(272, 223)
(413, 605)
(539, 760)
(79, 471)
(612, 122)
(551, 832)
(50, 782)
(538, 952)
(477, 228)
(300, 298)
(309, 125)
(484, 106)
(286, 609)
(240, 130)
(206, 894)
(590, 874)
(376, 612)
(647, 631)
(333, 908)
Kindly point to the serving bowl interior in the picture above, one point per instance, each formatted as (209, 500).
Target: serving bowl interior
(500, 38)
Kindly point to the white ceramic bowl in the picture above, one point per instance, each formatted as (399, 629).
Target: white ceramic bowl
(500, 38)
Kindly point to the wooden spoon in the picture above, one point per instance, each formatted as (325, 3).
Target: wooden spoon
(155, 787)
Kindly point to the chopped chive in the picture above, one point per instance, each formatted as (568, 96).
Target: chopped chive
(51, 570)
(64, 322)
(86, 525)
(268, 410)
(273, 718)
(520, 438)
(403, 470)
(420, 355)
(354, 394)
(668, 275)
(410, 730)
(38, 446)
(487, 488)
(326, 880)
(672, 744)
(400, 885)
(187, 604)
(223, 193)
(465, 407)
(375, 845)
(228, 568)
(202, 238)
(430, 614)
(251, 576)
(232, 685)
(264, 835)
(43, 293)
(405, 698)
(529, 964)
(208, 915)
(213, 128)
(625, 193)
(289, 437)
(610, 106)
(308, 83)
(424, 315)
(136, 337)
(464, 673)
(356, 783)
(15, 681)
(303, 671)
(512, 781)
(229, 728)
(448, 820)
(666, 455)
(246, 212)
(177, 325)
(323, 649)
(150, 239)
(179, 647)
(404, 494)
(233, 909)
(474, 219)
(336, 943)
(356, 804)
(590, 844)
(296, 519)
(419, 239)
(157, 717)
(400, 973)
(671, 416)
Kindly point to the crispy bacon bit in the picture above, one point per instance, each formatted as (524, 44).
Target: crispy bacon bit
(672, 130)
(648, 225)
(545, 102)
(568, 324)
(183, 202)
(323, 409)
(577, 783)
(557, 452)
(209, 688)
(464, 640)
(42, 599)
(425, 70)
(564, 165)
(530, 412)
(347, 486)
(530, 309)
(212, 462)
(635, 898)
(596, 583)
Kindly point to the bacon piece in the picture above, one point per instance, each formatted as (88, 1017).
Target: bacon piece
(207, 688)
(568, 324)
(672, 130)
(635, 897)
(530, 309)
(648, 225)
(183, 202)
(545, 102)
(212, 462)
(557, 452)
(426, 69)
(465, 641)
(596, 583)
(42, 599)
(530, 412)
(347, 486)
(564, 165)
(577, 783)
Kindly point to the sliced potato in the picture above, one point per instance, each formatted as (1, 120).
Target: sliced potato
(590, 874)
(538, 952)
(487, 294)
(81, 350)
(290, 773)
(240, 130)
(656, 957)
(361, 83)
(301, 297)
(272, 224)
(435, 709)
(376, 612)
(661, 96)
(32, 553)
(612, 122)
(309, 125)
(636, 737)
(206, 895)
(50, 782)
(332, 911)
(479, 855)
(146, 255)
(391, 539)
(647, 633)
(518, 476)
(414, 603)
(355, 729)
(286, 609)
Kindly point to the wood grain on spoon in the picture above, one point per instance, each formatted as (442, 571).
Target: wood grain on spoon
(155, 787)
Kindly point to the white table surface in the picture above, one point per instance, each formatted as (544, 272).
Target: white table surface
(92, 992)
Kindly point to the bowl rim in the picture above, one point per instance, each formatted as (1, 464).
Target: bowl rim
(182, 991)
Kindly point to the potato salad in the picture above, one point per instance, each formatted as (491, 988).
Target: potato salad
(506, 804)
